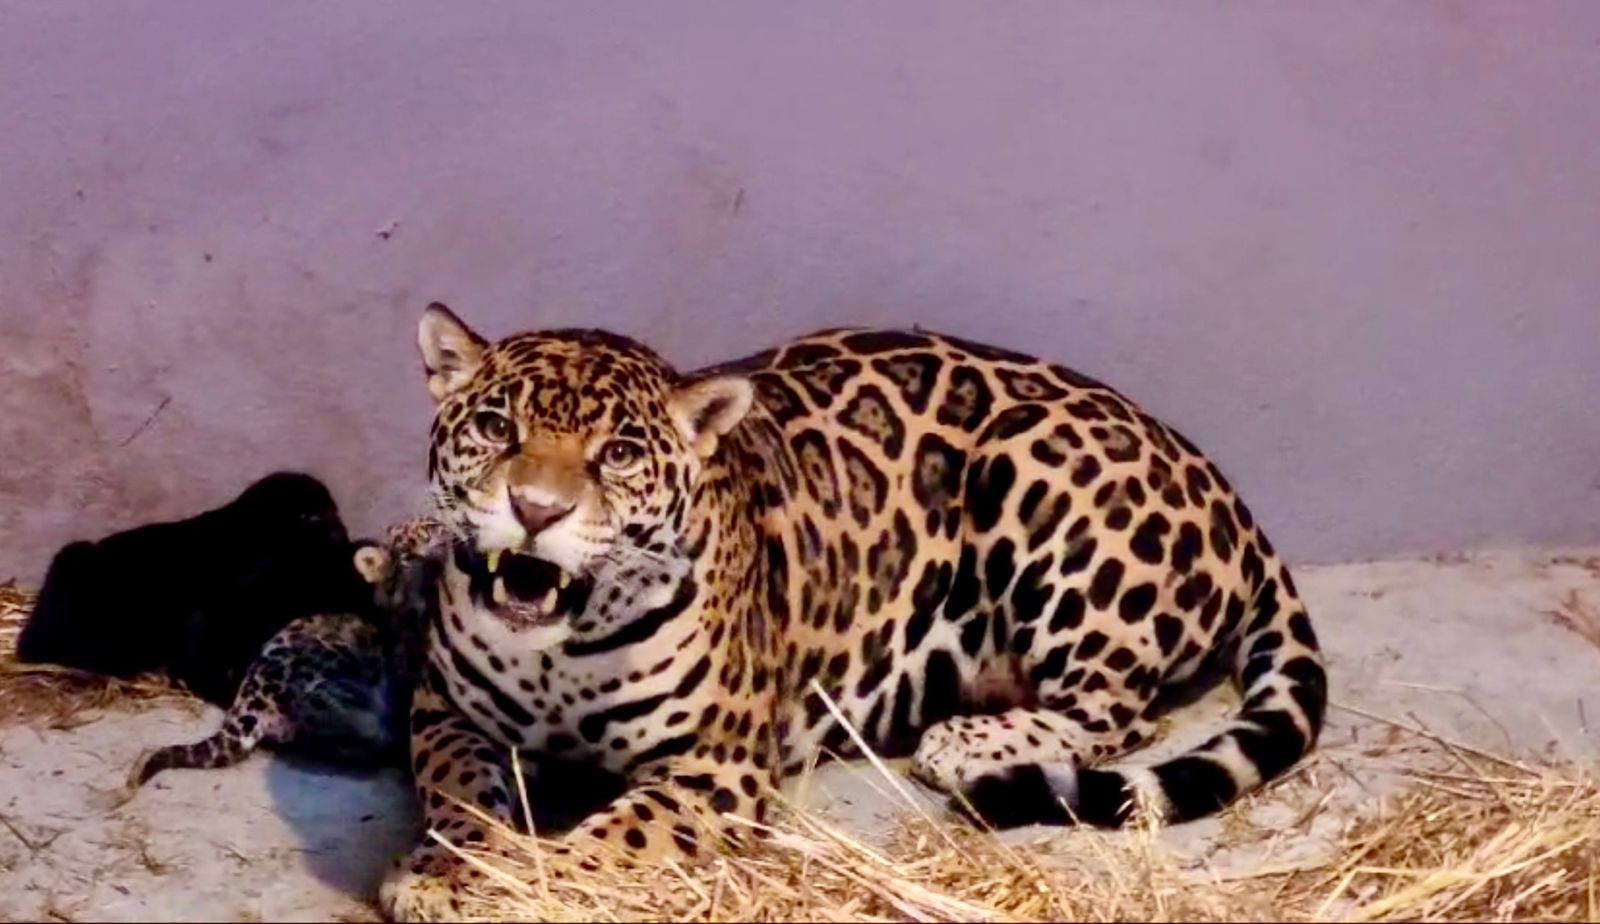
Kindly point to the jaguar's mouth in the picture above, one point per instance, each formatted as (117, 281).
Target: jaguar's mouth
(524, 591)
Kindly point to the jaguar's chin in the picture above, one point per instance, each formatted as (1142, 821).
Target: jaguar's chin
(524, 591)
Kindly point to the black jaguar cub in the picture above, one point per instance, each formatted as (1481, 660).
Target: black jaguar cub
(196, 598)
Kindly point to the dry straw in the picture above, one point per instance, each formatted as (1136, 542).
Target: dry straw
(1489, 838)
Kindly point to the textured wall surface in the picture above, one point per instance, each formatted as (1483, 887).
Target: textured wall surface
(1352, 250)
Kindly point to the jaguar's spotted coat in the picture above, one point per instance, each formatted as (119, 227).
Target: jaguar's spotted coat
(992, 563)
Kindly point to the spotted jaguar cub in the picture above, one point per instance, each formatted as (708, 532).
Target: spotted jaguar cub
(988, 562)
(334, 685)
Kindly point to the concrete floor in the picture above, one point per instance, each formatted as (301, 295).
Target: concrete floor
(1474, 648)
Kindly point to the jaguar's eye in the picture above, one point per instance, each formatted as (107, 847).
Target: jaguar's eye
(494, 427)
(620, 454)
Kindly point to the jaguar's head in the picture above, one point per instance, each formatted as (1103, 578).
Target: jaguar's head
(560, 456)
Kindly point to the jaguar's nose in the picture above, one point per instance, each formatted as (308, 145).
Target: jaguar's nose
(536, 518)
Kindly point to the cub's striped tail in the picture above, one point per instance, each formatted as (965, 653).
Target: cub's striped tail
(1274, 658)
(238, 736)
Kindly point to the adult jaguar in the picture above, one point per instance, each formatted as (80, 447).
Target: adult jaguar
(989, 562)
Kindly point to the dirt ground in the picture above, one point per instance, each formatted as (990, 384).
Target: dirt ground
(1498, 651)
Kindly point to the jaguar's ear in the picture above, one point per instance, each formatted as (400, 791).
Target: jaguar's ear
(707, 409)
(371, 562)
(451, 351)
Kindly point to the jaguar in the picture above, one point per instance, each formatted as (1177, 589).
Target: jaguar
(196, 598)
(990, 563)
(336, 685)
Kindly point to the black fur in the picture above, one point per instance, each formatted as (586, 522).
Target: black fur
(197, 598)
(1013, 797)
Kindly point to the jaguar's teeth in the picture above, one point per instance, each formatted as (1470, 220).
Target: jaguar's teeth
(564, 580)
(494, 561)
(499, 592)
(548, 604)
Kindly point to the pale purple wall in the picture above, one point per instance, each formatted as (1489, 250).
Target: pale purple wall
(1352, 249)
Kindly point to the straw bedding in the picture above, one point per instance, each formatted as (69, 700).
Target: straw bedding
(1484, 838)
(1477, 837)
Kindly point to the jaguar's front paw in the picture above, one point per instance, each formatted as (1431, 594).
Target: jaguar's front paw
(430, 889)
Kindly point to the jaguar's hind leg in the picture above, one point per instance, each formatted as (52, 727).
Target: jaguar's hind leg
(1021, 766)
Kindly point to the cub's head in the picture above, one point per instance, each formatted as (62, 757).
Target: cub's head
(575, 447)
(401, 566)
